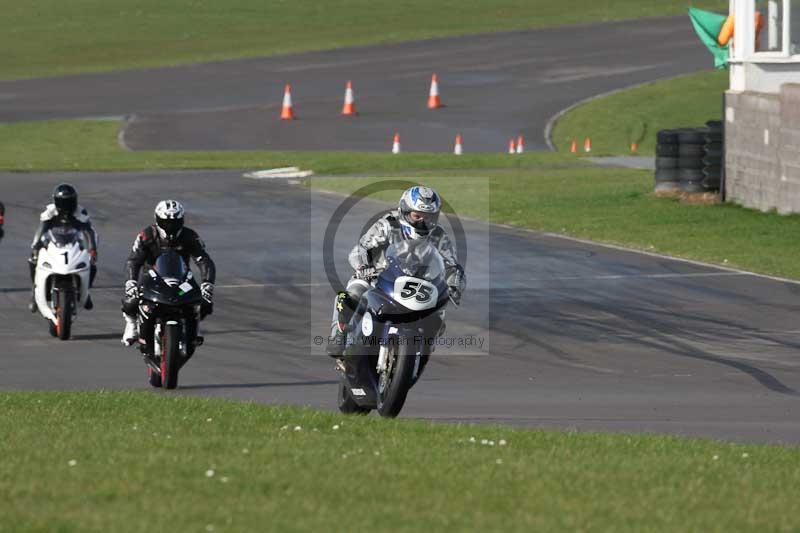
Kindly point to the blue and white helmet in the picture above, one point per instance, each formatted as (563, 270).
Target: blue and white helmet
(419, 211)
(169, 219)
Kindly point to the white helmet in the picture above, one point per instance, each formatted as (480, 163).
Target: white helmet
(419, 211)
(169, 219)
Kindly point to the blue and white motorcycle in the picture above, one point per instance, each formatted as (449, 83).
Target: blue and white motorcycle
(393, 330)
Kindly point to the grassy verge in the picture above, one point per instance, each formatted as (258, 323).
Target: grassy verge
(52, 37)
(616, 206)
(635, 115)
(129, 461)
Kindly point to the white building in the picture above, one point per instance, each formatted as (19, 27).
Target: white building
(762, 107)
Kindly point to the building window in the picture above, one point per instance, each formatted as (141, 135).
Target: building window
(795, 30)
(778, 27)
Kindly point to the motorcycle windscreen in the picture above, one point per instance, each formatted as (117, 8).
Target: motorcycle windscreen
(170, 265)
(417, 258)
(62, 235)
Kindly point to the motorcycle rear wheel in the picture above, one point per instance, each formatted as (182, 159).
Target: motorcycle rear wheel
(401, 375)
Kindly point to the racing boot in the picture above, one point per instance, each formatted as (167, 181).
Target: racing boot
(131, 333)
(32, 268)
(336, 342)
(88, 305)
(32, 307)
(194, 337)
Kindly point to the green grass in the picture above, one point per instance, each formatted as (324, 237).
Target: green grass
(54, 37)
(141, 462)
(636, 115)
(616, 206)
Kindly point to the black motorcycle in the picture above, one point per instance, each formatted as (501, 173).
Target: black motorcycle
(393, 330)
(169, 311)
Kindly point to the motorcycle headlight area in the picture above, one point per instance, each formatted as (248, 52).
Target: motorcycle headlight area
(45, 264)
(366, 324)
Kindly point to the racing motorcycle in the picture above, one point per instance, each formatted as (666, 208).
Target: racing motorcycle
(169, 311)
(393, 329)
(61, 282)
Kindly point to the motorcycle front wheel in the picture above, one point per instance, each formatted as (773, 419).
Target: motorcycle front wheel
(64, 317)
(396, 380)
(170, 355)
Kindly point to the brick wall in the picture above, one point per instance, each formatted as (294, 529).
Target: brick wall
(762, 149)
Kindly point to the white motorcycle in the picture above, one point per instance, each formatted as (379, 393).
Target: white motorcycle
(62, 278)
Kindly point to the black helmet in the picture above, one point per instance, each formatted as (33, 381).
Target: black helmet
(65, 198)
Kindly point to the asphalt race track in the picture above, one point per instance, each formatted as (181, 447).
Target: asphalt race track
(576, 335)
(495, 86)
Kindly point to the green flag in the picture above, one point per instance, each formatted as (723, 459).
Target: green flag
(708, 25)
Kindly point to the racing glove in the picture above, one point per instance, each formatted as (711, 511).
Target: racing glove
(207, 291)
(455, 295)
(367, 273)
(131, 289)
(207, 306)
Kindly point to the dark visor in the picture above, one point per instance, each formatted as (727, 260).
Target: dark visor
(171, 226)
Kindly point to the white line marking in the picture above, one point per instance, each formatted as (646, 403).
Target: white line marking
(641, 276)
(650, 254)
(565, 75)
(285, 172)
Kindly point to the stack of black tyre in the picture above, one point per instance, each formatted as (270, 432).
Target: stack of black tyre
(712, 162)
(667, 176)
(689, 159)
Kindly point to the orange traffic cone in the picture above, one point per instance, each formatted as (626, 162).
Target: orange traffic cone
(434, 102)
(458, 149)
(512, 147)
(574, 147)
(634, 147)
(349, 107)
(396, 144)
(587, 144)
(287, 111)
(520, 144)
